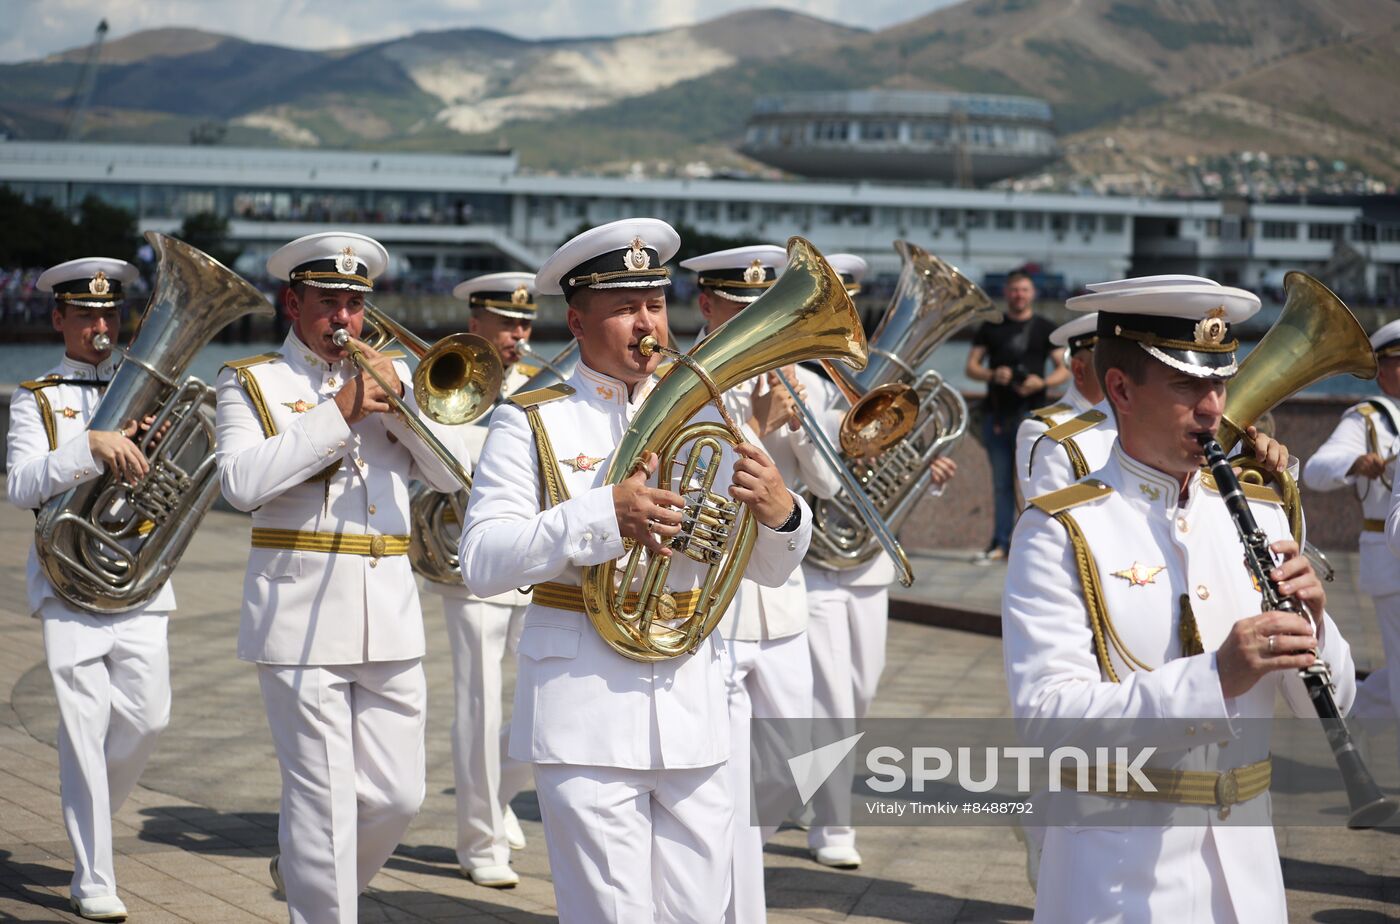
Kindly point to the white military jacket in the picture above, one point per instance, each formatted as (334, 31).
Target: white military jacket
(1045, 454)
(576, 700)
(473, 437)
(274, 450)
(766, 613)
(47, 452)
(1150, 550)
(1366, 427)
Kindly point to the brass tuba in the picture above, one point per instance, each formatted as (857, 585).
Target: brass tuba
(108, 546)
(900, 419)
(1315, 336)
(805, 315)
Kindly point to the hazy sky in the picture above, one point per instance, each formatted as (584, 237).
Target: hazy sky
(35, 28)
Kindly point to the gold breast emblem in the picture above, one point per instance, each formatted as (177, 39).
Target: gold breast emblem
(1140, 575)
(1151, 493)
(298, 406)
(69, 413)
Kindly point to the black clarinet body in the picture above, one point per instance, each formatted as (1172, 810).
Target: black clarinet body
(1369, 807)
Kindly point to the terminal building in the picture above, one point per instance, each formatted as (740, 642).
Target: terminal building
(953, 139)
(448, 216)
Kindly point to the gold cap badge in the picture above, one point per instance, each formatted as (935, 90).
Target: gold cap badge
(1210, 330)
(345, 261)
(99, 285)
(637, 258)
(754, 274)
(520, 296)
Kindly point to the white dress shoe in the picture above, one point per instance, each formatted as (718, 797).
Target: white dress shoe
(276, 874)
(102, 908)
(493, 877)
(837, 857)
(515, 835)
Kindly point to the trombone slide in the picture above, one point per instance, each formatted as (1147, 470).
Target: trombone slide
(342, 339)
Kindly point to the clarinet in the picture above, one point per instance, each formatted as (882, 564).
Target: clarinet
(1369, 807)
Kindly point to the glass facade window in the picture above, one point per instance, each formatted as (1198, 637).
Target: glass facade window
(948, 218)
(1086, 224)
(1113, 224)
(879, 131)
(1033, 221)
(738, 211)
(1005, 221)
(974, 219)
(1321, 232)
(1279, 230)
(707, 211)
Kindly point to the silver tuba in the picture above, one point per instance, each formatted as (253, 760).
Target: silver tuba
(108, 546)
(900, 419)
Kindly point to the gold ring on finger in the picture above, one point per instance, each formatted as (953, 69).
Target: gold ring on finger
(1271, 644)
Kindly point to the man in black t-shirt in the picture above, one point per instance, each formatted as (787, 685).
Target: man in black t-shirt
(1010, 356)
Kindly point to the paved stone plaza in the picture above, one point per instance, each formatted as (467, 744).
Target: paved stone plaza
(194, 839)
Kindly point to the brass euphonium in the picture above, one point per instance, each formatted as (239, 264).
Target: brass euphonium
(900, 419)
(806, 315)
(1315, 336)
(108, 546)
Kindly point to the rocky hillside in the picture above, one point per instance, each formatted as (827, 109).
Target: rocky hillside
(1145, 91)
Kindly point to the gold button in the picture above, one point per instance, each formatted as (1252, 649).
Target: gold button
(374, 563)
(1190, 729)
(1207, 727)
(1203, 591)
(376, 547)
(371, 508)
(1181, 524)
(331, 381)
(1224, 744)
(666, 606)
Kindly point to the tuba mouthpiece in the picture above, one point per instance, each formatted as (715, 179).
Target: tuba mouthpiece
(648, 345)
(102, 343)
(341, 337)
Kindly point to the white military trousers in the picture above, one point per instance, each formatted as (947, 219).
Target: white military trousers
(846, 631)
(111, 677)
(637, 846)
(480, 633)
(349, 739)
(1378, 696)
(766, 680)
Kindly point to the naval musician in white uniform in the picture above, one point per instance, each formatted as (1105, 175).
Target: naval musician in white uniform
(1360, 455)
(767, 660)
(502, 310)
(628, 755)
(307, 442)
(111, 674)
(849, 621)
(1126, 598)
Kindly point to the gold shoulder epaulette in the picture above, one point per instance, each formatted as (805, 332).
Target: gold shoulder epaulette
(1044, 414)
(527, 368)
(1078, 493)
(537, 396)
(252, 360)
(1258, 492)
(1365, 407)
(1076, 425)
(42, 382)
